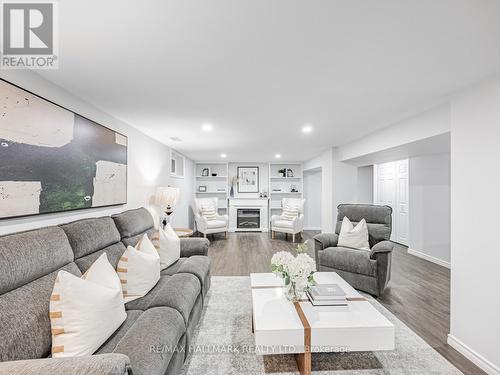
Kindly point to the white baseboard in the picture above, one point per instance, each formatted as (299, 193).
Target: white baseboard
(430, 258)
(472, 356)
(312, 228)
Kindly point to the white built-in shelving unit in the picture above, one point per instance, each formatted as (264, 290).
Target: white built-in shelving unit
(291, 184)
(211, 180)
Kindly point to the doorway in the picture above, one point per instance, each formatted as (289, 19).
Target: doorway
(391, 188)
(312, 195)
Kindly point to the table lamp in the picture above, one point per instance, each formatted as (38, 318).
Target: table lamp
(166, 197)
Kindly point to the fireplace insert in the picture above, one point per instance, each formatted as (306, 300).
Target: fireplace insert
(248, 218)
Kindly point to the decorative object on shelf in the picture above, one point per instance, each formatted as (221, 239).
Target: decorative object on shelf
(289, 173)
(282, 172)
(166, 198)
(202, 189)
(297, 273)
(248, 179)
(234, 181)
(293, 189)
(205, 172)
(53, 159)
(264, 194)
(276, 190)
(214, 174)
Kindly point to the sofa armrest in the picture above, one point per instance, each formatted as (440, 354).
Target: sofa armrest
(325, 240)
(194, 246)
(382, 247)
(101, 364)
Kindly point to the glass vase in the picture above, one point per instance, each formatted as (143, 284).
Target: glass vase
(292, 293)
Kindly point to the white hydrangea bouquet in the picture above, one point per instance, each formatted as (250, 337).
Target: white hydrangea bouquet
(297, 272)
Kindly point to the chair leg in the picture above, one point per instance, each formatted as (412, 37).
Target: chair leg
(273, 234)
(225, 235)
(286, 236)
(204, 235)
(293, 238)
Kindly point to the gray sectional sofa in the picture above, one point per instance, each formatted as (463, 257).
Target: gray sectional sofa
(162, 320)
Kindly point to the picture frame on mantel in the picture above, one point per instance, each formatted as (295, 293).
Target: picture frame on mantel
(248, 179)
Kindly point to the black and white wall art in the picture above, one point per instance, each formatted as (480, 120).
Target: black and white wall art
(248, 179)
(52, 159)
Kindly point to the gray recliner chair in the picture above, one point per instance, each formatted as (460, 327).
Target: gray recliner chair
(369, 271)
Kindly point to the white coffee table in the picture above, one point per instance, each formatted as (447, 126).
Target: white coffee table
(282, 327)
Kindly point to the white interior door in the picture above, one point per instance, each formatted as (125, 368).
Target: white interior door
(391, 181)
(402, 204)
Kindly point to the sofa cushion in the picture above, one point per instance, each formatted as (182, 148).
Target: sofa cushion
(26, 256)
(110, 344)
(174, 268)
(114, 252)
(351, 260)
(133, 222)
(179, 292)
(213, 224)
(283, 224)
(24, 318)
(134, 240)
(197, 265)
(90, 235)
(147, 341)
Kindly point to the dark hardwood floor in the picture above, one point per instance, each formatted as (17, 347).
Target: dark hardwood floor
(418, 294)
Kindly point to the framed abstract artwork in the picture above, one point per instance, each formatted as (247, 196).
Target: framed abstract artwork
(248, 179)
(54, 160)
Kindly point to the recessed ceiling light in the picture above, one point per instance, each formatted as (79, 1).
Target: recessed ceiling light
(307, 129)
(277, 156)
(207, 127)
(223, 156)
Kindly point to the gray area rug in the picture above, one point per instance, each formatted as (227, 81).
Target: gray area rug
(223, 344)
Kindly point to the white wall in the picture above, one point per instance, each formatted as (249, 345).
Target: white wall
(475, 207)
(324, 161)
(345, 182)
(263, 178)
(148, 161)
(429, 191)
(312, 195)
(426, 125)
(365, 185)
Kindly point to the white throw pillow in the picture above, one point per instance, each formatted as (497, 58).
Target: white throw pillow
(170, 247)
(356, 237)
(86, 311)
(208, 212)
(139, 269)
(289, 214)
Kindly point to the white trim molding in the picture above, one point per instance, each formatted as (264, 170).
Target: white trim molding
(430, 258)
(472, 356)
(312, 228)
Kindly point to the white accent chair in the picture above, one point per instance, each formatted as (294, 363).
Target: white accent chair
(279, 223)
(218, 225)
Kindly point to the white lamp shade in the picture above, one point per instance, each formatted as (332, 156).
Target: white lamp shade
(166, 196)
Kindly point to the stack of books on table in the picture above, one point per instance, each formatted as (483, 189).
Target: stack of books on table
(327, 295)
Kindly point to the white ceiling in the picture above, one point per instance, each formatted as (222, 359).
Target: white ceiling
(257, 70)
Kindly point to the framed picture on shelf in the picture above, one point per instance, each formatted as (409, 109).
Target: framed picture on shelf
(202, 189)
(248, 179)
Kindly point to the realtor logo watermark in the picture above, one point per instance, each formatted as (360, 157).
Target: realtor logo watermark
(29, 35)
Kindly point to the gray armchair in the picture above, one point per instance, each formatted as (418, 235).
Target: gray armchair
(369, 271)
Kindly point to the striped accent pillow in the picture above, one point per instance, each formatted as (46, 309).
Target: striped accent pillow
(85, 311)
(139, 269)
(289, 213)
(208, 212)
